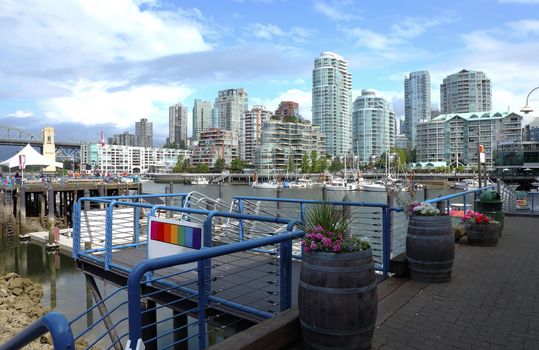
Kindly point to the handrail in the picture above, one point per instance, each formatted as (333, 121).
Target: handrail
(53, 322)
(455, 195)
(137, 273)
(312, 201)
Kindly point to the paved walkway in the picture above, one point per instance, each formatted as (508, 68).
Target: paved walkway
(492, 301)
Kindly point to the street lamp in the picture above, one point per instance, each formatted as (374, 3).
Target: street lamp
(527, 109)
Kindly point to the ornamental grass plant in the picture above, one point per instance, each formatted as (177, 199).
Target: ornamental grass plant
(327, 230)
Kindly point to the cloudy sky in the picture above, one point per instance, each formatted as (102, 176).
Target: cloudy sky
(83, 65)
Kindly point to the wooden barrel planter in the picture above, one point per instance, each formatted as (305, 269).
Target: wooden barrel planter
(337, 300)
(430, 248)
(483, 235)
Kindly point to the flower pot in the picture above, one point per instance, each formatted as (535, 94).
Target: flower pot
(430, 248)
(337, 300)
(483, 235)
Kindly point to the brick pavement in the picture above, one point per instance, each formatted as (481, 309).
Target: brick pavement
(491, 302)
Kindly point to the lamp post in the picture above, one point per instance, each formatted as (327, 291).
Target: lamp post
(527, 109)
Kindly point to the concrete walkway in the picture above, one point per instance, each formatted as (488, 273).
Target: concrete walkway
(491, 302)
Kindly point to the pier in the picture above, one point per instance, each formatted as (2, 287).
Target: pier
(246, 275)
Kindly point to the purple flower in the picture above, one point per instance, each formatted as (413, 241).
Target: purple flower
(326, 242)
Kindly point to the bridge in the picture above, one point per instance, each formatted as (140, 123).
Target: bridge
(11, 136)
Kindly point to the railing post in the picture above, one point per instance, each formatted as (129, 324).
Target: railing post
(464, 202)
(240, 208)
(202, 304)
(136, 222)
(133, 306)
(285, 274)
(302, 212)
(108, 236)
(386, 239)
(76, 230)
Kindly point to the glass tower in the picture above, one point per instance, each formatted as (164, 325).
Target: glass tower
(332, 100)
(416, 103)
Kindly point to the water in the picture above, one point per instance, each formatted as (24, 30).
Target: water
(65, 288)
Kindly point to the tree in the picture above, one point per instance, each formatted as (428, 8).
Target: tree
(305, 164)
(202, 168)
(314, 162)
(181, 165)
(290, 166)
(322, 164)
(170, 145)
(336, 165)
(219, 165)
(237, 165)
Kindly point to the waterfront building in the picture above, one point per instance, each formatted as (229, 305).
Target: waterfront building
(124, 139)
(287, 109)
(454, 138)
(144, 133)
(465, 92)
(215, 144)
(49, 146)
(373, 126)
(118, 159)
(332, 101)
(177, 124)
(530, 132)
(401, 141)
(282, 143)
(416, 102)
(517, 159)
(251, 124)
(230, 105)
(202, 117)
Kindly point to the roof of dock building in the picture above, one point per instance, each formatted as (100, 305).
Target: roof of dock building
(474, 116)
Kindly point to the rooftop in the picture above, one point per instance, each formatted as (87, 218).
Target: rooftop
(474, 116)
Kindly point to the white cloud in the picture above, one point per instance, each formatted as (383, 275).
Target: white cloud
(336, 10)
(20, 114)
(302, 97)
(272, 31)
(97, 102)
(69, 32)
(524, 26)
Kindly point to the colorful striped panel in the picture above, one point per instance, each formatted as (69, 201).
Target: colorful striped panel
(185, 236)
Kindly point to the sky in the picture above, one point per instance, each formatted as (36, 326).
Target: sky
(83, 65)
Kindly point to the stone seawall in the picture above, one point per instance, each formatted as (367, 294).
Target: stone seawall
(20, 305)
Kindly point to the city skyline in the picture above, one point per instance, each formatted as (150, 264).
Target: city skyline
(121, 62)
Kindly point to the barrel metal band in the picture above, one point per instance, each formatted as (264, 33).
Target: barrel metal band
(448, 236)
(363, 345)
(318, 289)
(338, 269)
(430, 262)
(337, 331)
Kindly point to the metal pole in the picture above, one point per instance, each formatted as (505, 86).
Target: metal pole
(50, 216)
(479, 164)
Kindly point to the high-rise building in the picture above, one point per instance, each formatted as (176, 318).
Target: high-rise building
(530, 132)
(215, 144)
(230, 105)
(124, 139)
(202, 117)
(454, 138)
(332, 101)
(144, 133)
(251, 123)
(283, 143)
(416, 102)
(287, 109)
(373, 126)
(177, 124)
(467, 91)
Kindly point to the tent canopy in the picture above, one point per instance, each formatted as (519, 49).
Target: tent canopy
(33, 158)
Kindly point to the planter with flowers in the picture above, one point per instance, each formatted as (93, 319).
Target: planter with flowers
(337, 290)
(481, 229)
(430, 243)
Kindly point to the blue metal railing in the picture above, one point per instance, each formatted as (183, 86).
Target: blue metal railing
(303, 203)
(53, 322)
(141, 275)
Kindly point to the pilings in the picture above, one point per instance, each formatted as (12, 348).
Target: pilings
(51, 204)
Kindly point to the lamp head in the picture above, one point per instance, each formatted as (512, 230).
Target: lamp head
(526, 109)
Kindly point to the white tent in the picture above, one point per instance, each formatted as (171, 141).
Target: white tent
(32, 158)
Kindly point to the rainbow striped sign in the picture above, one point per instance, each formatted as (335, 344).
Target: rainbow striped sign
(172, 233)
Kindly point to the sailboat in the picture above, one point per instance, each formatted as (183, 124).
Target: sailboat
(342, 184)
(378, 186)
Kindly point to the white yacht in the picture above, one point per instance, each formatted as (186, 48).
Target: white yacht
(265, 185)
(377, 186)
(339, 184)
(199, 180)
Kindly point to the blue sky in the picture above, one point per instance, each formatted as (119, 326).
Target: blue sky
(83, 65)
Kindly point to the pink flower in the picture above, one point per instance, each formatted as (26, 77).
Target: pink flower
(313, 246)
(319, 236)
(336, 248)
(326, 242)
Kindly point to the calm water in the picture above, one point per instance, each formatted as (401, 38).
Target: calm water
(65, 288)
